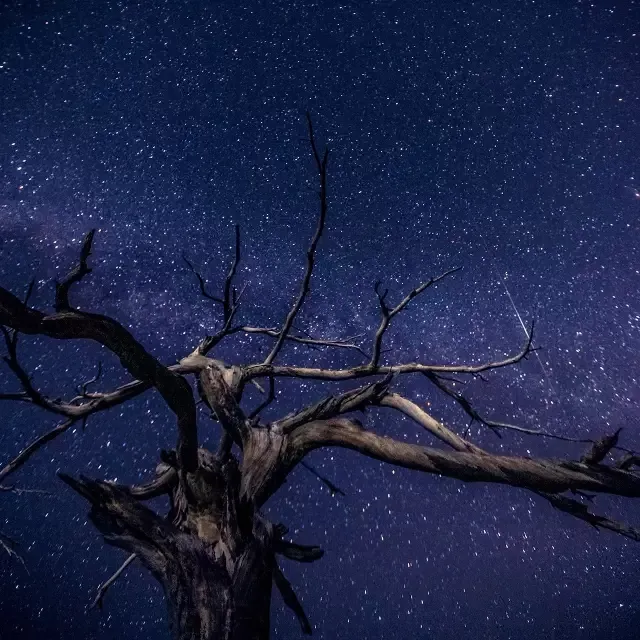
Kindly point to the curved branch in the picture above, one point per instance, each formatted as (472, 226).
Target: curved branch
(201, 282)
(413, 411)
(73, 324)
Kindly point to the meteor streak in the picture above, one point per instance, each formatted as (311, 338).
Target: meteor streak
(526, 333)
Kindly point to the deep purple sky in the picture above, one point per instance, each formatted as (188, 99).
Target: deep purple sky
(501, 137)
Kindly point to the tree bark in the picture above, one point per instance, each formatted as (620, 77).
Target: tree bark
(216, 570)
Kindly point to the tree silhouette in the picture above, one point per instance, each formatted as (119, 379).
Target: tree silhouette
(215, 553)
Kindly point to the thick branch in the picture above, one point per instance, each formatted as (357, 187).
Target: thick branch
(220, 398)
(413, 411)
(551, 476)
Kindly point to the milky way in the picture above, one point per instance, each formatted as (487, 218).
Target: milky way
(498, 137)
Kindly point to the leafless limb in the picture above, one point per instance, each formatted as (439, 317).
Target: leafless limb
(494, 425)
(316, 342)
(9, 545)
(331, 406)
(435, 428)
(321, 165)
(332, 487)
(83, 390)
(69, 323)
(551, 476)
(29, 450)
(389, 312)
(201, 282)
(75, 275)
(230, 300)
(581, 511)
(290, 599)
(104, 587)
(312, 373)
(598, 452)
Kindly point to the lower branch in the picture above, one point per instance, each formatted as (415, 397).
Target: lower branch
(291, 600)
(104, 587)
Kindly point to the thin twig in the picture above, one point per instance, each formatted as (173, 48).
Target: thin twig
(321, 165)
(104, 587)
(388, 312)
(201, 282)
(332, 487)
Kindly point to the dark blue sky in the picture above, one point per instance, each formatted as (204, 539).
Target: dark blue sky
(501, 137)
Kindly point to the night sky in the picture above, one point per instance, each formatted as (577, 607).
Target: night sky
(501, 137)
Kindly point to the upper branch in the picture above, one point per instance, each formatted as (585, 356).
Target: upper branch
(201, 282)
(73, 324)
(229, 290)
(321, 164)
(388, 313)
(263, 370)
(75, 275)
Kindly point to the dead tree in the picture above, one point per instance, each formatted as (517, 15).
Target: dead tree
(215, 554)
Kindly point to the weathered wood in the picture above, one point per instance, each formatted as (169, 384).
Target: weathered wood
(216, 574)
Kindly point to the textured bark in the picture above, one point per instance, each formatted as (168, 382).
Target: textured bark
(216, 569)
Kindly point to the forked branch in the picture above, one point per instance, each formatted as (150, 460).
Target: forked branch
(69, 323)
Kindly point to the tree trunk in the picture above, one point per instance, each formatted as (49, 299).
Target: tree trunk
(215, 559)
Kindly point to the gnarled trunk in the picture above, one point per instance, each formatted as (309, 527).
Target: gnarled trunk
(213, 555)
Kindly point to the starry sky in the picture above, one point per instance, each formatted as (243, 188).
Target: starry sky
(501, 137)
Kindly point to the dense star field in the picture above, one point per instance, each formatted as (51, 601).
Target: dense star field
(500, 137)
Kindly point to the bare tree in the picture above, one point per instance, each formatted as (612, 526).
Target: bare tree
(215, 554)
